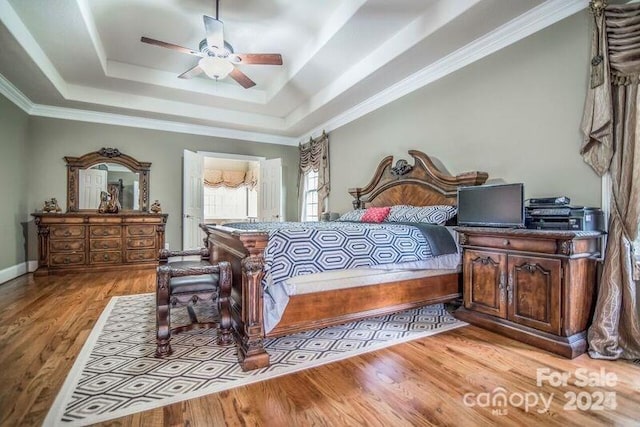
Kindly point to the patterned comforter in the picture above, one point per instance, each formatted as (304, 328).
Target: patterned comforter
(299, 248)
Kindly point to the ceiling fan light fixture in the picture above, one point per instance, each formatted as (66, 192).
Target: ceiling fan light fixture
(215, 68)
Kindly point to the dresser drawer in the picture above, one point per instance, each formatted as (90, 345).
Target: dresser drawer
(105, 244)
(106, 257)
(142, 255)
(88, 241)
(105, 231)
(66, 259)
(141, 230)
(67, 245)
(547, 246)
(141, 242)
(65, 231)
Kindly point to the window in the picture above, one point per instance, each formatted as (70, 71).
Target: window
(310, 197)
(230, 203)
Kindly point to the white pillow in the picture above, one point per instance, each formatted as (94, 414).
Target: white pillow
(355, 215)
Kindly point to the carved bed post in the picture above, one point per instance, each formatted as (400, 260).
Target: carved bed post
(163, 337)
(225, 329)
(251, 352)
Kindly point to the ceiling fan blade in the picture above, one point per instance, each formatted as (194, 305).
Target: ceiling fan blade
(214, 29)
(191, 73)
(241, 78)
(259, 58)
(171, 46)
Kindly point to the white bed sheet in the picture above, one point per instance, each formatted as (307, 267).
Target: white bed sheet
(342, 279)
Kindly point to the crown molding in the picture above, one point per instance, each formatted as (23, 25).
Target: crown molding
(536, 19)
(155, 124)
(14, 95)
(18, 98)
(16, 27)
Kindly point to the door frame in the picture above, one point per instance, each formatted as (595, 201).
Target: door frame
(231, 156)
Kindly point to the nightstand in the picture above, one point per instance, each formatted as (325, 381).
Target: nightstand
(536, 286)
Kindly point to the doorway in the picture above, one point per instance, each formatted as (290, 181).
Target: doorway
(221, 188)
(230, 191)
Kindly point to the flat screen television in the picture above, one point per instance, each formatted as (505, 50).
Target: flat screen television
(500, 205)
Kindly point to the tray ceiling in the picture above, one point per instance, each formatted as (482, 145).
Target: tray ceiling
(83, 59)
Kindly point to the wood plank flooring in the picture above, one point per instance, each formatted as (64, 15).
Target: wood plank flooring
(45, 321)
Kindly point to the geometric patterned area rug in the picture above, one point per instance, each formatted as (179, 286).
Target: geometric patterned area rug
(116, 373)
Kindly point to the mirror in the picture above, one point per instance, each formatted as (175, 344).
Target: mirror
(100, 178)
(99, 172)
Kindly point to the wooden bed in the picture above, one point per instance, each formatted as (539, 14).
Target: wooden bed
(420, 184)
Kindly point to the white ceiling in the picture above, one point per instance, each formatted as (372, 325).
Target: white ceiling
(83, 59)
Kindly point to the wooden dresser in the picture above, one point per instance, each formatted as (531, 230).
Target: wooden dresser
(537, 286)
(78, 241)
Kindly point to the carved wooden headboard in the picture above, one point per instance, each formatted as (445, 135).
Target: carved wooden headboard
(420, 184)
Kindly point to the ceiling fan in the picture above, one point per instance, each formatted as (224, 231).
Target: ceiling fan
(217, 58)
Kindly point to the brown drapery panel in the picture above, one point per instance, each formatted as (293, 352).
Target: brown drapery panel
(230, 178)
(612, 143)
(314, 155)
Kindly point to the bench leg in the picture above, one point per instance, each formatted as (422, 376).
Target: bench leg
(163, 317)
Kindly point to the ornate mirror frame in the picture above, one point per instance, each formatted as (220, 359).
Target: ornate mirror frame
(105, 155)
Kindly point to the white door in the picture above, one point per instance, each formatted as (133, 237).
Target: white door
(192, 201)
(92, 183)
(136, 195)
(270, 201)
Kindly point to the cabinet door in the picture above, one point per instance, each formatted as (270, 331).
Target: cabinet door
(485, 282)
(534, 292)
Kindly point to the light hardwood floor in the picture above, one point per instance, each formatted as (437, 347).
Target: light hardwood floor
(45, 321)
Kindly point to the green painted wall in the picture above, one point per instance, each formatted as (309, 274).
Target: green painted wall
(14, 213)
(514, 114)
(52, 139)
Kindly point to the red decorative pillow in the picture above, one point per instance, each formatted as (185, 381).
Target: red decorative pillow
(376, 214)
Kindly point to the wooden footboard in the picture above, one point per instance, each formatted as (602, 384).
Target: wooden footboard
(242, 308)
(322, 309)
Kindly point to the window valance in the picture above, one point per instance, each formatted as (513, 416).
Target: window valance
(314, 155)
(216, 178)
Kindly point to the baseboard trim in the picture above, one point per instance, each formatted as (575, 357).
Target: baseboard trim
(32, 266)
(15, 271)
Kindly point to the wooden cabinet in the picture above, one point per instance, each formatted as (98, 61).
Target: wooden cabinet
(75, 242)
(533, 285)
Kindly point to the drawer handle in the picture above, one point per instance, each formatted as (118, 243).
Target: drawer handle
(67, 260)
(67, 246)
(67, 233)
(105, 233)
(106, 257)
(506, 242)
(105, 245)
(510, 288)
